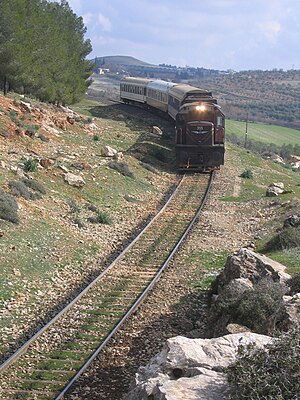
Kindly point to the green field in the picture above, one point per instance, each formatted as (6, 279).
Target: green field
(264, 133)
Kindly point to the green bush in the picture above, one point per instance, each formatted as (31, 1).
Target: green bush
(100, 218)
(122, 168)
(288, 238)
(294, 284)
(271, 373)
(96, 137)
(247, 174)
(30, 165)
(256, 306)
(8, 207)
(251, 308)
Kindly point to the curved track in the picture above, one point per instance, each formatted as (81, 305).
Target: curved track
(47, 365)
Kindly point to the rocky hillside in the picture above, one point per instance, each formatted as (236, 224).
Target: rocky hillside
(73, 188)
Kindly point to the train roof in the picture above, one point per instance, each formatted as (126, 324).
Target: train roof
(180, 91)
(161, 85)
(136, 81)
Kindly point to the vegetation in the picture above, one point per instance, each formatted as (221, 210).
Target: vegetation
(100, 218)
(251, 308)
(30, 165)
(8, 207)
(42, 50)
(260, 96)
(20, 189)
(270, 373)
(265, 134)
(247, 174)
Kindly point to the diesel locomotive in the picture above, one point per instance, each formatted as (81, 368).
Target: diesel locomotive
(199, 121)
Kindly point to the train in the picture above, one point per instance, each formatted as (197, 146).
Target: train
(199, 121)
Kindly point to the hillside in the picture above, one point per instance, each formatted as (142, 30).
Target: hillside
(60, 235)
(119, 60)
(56, 233)
(262, 96)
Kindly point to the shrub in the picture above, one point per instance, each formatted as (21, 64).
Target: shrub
(30, 165)
(8, 208)
(271, 373)
(74, 208)
(96, 137)
(34, 185)
(294, 284)
(31, 130)
(91, 207)
(122, 168)
(288, 238)
(100, 218)
(251, 308)
(247, 174)
(19, 189)
(256, 306)
(79, 222)
(4, 134)
(159, 154)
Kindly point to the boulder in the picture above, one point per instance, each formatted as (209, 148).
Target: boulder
(74, 180)
(108, 151)
(46, 162)
(275, 189)
(191, 368)
(292, 220)
(247, 266)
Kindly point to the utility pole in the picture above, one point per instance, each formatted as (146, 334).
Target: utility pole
(246, 132)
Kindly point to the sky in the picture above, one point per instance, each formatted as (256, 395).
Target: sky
(216, 34)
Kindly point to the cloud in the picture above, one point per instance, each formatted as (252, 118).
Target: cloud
(104, 23)
(271, 30)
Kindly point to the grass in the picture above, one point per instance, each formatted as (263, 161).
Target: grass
(208, 265)
(34, 255)
(263, 133)
(264, 172)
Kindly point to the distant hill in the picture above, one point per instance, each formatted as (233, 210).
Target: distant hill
(118, 61)
(262, 96)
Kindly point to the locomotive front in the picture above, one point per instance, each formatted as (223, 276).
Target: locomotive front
(200, 135)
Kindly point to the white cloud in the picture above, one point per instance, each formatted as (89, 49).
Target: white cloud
(271, 30)
(104, 23)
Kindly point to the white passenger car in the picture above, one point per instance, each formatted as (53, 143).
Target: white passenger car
(134, 89)
(157, 94)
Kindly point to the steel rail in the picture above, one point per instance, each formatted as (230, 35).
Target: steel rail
(26, 345)
(142, 295)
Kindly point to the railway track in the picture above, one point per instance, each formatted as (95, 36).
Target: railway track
(50, 362)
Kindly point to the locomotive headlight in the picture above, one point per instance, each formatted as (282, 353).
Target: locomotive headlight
(200, 108)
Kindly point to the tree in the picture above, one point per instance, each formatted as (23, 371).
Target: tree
(43, 50)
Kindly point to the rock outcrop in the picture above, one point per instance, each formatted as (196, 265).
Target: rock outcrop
(191, 368)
